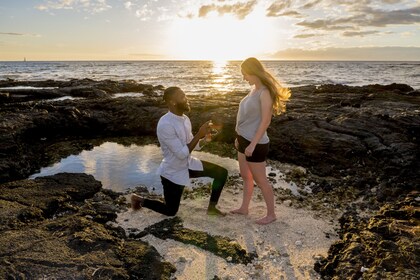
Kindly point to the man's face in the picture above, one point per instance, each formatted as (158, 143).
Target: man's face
(181, 101)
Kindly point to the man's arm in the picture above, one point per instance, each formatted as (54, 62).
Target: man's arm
(167, 135)
(200, 134)
(194, 142)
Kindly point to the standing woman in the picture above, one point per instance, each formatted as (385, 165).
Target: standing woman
(266, 98)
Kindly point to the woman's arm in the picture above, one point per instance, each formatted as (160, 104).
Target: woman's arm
(266, 113)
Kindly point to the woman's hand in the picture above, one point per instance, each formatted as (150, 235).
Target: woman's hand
(249, 150)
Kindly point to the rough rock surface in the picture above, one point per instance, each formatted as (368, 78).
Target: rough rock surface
(356, 138)
(57, 227)
(369, 135)
(385, 246)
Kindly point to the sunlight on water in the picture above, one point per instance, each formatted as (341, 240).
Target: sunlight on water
(121, 167)
(198, 77)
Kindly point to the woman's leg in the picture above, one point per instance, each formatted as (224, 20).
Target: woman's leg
(260, 177)
(248, 185)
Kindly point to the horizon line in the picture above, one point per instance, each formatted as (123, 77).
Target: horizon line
(197, 60)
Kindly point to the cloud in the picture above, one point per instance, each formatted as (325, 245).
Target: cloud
(303, 36)
(128, 5)
(366, 17)
(19, 34)
(12, 33)
(240, 10)
(354, 18)
(311, 4)
(351, 53)
(291, 14)
(392, 1)
(277, 7)
(358, 33)
(145, 13)
(91, 6)
(381, 18)
(329, 24)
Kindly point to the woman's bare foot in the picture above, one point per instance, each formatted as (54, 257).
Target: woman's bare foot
(213, 211)
(266, 220)
(240, 211)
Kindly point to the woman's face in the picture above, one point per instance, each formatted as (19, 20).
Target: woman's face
(251, 79)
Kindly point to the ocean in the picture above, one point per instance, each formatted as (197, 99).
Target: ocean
(209, 77)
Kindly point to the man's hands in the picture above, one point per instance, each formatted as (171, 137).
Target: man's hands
(205, 129)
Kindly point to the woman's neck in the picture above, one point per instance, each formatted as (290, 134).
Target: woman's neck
(258, 85)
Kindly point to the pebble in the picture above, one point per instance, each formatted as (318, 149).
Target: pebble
(288, 202)
(364, 269)
(298, 243)
(229, 259)
(182, 260)
(317, 257)
(417, 199)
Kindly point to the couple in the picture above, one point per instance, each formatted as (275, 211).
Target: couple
(266, 98)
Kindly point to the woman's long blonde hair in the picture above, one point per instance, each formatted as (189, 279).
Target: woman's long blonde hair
(279, 94)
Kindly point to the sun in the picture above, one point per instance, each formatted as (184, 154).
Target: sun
(219, 38)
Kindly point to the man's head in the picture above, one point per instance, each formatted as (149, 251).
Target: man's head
(176, 100)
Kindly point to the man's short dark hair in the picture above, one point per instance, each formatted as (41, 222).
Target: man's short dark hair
(169, 93)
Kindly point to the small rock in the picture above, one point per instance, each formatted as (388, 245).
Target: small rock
(364, 269)
(298, 171)
(288, 202)
(229, 259)
(298, 243)
(182, 260)
(317, 257)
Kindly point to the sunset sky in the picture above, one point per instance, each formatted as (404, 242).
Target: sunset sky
(213, 30)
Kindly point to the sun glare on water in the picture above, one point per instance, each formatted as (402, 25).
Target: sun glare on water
(219, 38)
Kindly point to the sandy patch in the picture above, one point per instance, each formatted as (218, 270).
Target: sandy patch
(287, 248)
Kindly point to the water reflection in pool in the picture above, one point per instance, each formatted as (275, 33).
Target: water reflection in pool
(121, 167)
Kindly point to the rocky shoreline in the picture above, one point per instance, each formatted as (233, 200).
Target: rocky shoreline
(362, 139)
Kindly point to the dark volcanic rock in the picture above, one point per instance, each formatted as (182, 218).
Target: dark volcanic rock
(370, 134)
(71, 245)
(172, 228)
(384, 247)
(86, 88)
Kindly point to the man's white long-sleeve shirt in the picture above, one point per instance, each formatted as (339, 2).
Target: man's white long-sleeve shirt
(174, 133)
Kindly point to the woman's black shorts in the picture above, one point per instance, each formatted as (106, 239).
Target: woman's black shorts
(259, 154)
